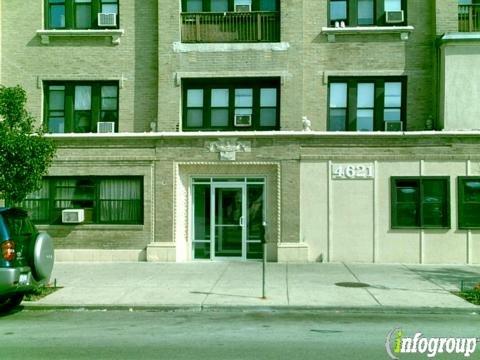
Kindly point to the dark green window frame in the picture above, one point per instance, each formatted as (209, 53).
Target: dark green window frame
(66, 114)
(468, 202)
(206, 108)
(351, 18)
(69, 9)
(256, 5)
(421, 202)
(97, 195)
(379, 108)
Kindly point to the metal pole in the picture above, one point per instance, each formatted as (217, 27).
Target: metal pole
(264, 296)
(264, 262)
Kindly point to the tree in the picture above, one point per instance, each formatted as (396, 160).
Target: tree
(25, 154)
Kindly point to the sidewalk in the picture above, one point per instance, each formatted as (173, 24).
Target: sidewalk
(212, 285)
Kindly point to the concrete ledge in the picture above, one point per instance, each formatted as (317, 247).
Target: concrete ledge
(161, 252)
(331, 32)
(292, 252)
(115, 34)
(429, 134)
(179, 47)
(98, 255)
(460, 36)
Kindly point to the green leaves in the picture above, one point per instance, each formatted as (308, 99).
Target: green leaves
(25, 154)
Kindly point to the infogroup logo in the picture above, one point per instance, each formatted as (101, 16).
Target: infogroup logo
(397, 343)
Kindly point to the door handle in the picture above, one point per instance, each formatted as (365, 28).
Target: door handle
(242, 222)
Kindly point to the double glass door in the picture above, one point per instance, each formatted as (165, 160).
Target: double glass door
(228, 216)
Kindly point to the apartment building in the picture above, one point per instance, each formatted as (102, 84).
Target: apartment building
(343, 130)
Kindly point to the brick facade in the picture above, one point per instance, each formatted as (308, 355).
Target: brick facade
(150, 63)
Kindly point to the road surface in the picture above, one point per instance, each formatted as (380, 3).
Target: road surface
(217, 335)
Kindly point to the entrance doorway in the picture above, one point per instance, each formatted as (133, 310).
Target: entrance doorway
(227, 218)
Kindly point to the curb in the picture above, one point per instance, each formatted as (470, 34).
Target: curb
(254, 308)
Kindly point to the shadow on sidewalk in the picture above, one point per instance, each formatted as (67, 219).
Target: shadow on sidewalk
(450, 277)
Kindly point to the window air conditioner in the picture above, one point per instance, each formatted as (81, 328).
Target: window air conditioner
(105, 127)
(394, 17)
(393, 126)
(243, 8)
(73, 216)
(107, 19)
(243, 120)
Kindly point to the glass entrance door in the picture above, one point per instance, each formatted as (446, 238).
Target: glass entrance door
(228, 222)
(227, 218)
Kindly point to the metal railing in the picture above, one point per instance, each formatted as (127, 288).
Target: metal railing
(469, 18)
(255, 26)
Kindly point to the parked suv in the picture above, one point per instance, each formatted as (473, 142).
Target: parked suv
(26, 257)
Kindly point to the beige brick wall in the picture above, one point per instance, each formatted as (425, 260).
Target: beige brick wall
(145, 59)
(100, 160)
(373, 54)
(446, 16)
(304, 91)
(258, 62)
(303, 189)
(150, 68)
(25, 60)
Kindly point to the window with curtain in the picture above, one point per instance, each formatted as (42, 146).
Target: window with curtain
(365, 12)
(37, 204)
(367, 104)
(231, 104)
(77, 14)
(83, 14)
(120, 200)
(79, 106)
(105, 200)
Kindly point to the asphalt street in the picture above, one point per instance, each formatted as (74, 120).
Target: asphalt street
(214, 335)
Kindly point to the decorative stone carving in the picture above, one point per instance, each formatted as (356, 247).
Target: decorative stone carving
(307, 124)
(229, 147)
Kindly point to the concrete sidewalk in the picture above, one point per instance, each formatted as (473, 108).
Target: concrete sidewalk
(201, 285)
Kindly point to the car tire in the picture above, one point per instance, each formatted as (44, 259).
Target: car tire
(43, 257)
(10, 302)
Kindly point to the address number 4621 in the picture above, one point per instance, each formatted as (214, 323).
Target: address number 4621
(352, 171)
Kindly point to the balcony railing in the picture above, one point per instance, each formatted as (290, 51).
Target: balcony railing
(255, 26)
(469, 18)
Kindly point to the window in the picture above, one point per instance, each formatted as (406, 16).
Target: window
(338, 12)
(229, 5)
(79, 106)
(105, 200)
(231, 104)
(366, 12)
(420, 202)
(77, 14)
(367, 104)
(468, 202)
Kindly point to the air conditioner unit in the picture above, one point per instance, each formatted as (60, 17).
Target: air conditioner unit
(243, 120)
(107, 20)
(243, 8)
(393, 126)
(394, 17)
(105, 127)
(73, 216)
